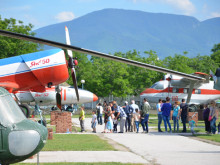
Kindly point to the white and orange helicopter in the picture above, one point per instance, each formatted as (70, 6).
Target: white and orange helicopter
(178, 88)
(189, 82)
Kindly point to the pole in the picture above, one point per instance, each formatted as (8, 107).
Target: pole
(38, 158)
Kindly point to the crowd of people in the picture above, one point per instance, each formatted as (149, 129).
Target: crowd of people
(130, 117)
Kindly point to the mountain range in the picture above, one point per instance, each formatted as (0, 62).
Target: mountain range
(114, 30)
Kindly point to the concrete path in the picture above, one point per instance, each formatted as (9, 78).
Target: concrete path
(88, 156)
(165, 148)
(169, 149)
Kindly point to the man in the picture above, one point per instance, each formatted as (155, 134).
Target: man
(128, 112)
(159, 114)
(166, 108)
(145, 113)
(99, 113)
(133, 106)
(217, 79)
(122, 115)
(183, 112)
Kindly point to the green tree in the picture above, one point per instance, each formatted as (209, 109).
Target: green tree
(179, 63)
(215, 56)
(13, 47)
(202, 64)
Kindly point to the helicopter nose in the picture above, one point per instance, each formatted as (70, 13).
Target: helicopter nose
(23, 142)
(95, 98)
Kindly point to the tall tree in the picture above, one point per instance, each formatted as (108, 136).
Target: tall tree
(13, 47)
(216, 53)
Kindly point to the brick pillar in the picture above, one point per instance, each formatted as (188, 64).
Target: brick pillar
(53, 118)
(50, 133)
(63, 122)
(195, 117)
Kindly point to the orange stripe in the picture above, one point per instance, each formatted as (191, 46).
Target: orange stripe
(61, 93)
(203, 91)
(64, 94)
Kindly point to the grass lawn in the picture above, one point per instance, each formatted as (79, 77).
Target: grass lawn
(76, 163)
(215, 138)
(200, 128)
(74, 142)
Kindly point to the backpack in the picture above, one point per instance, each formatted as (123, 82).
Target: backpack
(98, 109)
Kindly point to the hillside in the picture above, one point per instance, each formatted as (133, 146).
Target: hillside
(112, 30)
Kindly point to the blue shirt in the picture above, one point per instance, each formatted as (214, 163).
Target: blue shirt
(159, 107)
(116, 109)
(166, 108)
(192, 123)
(175, 111)
(128, 109)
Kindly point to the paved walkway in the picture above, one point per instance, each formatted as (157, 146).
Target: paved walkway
(88, 156)
(151, 148)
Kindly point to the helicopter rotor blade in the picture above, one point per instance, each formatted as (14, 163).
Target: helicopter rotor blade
(73, 72)
(99, 54)
(69, 52)
(72, 64)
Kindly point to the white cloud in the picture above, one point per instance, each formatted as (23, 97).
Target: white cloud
(17, 8)
(64, 16)
(215, 14)
(186, 6)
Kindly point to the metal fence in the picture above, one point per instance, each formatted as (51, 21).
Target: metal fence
(120, 101)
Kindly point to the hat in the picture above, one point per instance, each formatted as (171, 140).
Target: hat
(126, 102)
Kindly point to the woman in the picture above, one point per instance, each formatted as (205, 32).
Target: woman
(105, 105)
(206, 119)
(176, 110)
(109, 119)
(213, 116)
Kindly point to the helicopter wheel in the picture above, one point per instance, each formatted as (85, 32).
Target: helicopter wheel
(25, 109)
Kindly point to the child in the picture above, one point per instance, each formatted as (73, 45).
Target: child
(192, 124)
(115, 122)
(82, 119)
(137, 117)
(94, 120)
(110, 124)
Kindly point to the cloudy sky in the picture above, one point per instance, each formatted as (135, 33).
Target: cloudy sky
(46, 12)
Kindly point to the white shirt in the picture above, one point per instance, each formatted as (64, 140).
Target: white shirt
(134, 106)
(100, 108)
(94, 118)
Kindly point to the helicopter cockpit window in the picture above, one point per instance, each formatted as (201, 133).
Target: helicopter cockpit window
(9, 111)
(185, 90)
(175, 90)
(197, 91)
(158, 86)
